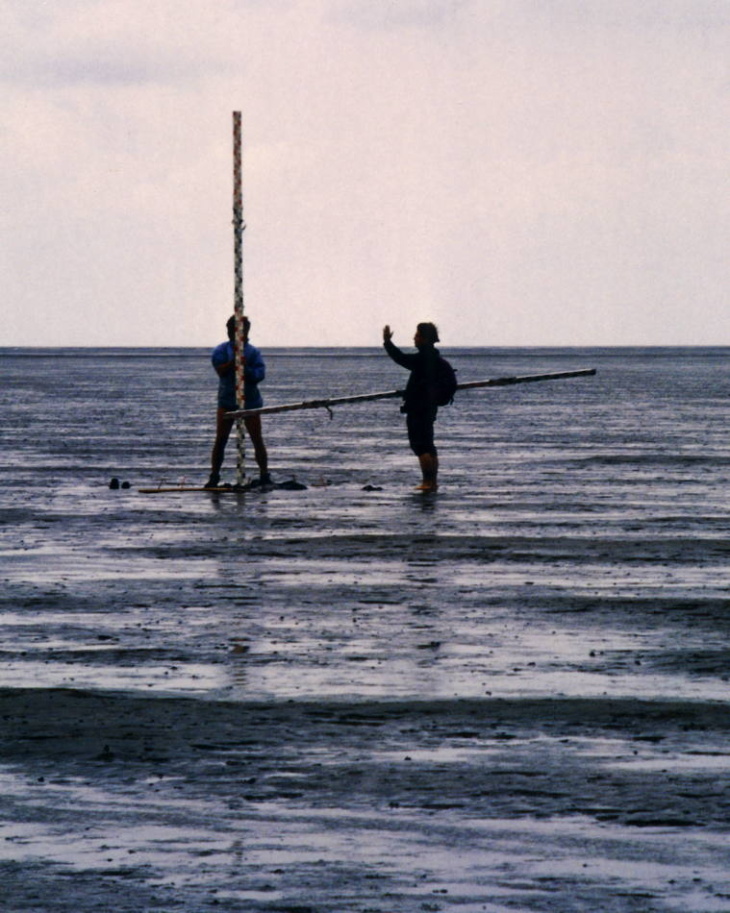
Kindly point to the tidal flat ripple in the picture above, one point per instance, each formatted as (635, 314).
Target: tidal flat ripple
(546, 640)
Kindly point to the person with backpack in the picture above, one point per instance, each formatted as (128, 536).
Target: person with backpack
(431, 383)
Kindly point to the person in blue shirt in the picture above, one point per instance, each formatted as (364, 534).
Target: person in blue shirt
(223, 360)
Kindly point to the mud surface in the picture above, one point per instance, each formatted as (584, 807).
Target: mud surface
(512, 696)
(491, 804)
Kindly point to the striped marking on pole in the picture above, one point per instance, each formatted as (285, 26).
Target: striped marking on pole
(238, 229)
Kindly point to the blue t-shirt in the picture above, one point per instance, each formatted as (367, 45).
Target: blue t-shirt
(254, 372)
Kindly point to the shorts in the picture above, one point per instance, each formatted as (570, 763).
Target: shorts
(420, 432)
(228, 402)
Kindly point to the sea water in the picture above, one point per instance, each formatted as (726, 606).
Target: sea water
(579, 543)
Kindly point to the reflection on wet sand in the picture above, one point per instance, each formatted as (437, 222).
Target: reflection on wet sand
(510, 695)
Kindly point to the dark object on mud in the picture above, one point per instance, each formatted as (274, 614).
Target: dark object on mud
(255, 485)
(106, 754)
(290, 485)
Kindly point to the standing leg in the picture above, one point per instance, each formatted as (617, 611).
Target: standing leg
(253, 426)
(420, 437)
(429, 471)
(222, 433)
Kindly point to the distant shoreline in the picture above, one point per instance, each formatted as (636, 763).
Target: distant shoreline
(608, 351)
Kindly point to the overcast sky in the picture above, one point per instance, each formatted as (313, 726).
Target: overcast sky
(522, 172)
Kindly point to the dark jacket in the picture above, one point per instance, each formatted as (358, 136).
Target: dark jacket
(420, 392)
(254, 372)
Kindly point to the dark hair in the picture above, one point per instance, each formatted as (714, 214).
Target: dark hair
(429, 332)
(231, 325)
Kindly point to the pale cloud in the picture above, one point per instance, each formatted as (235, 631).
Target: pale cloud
(61, 45)
(523, 172)
(399, 14)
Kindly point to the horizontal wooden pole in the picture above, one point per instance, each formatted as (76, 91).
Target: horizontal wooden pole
(525, 379)
(390, 394)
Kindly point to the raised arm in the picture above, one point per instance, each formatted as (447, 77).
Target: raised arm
(399, 357)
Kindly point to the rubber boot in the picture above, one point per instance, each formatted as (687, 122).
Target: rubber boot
(429, 471)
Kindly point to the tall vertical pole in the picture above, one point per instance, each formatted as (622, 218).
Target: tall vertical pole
(238, 229)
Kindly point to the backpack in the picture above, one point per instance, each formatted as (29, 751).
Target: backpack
(445, 386)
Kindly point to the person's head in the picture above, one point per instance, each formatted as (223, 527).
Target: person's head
(231, 327)
(426, 335)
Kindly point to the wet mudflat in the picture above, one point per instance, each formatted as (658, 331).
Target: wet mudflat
(512, 696)
(483, 804)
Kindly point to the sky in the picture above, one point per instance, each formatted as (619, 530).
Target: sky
(521, 172)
